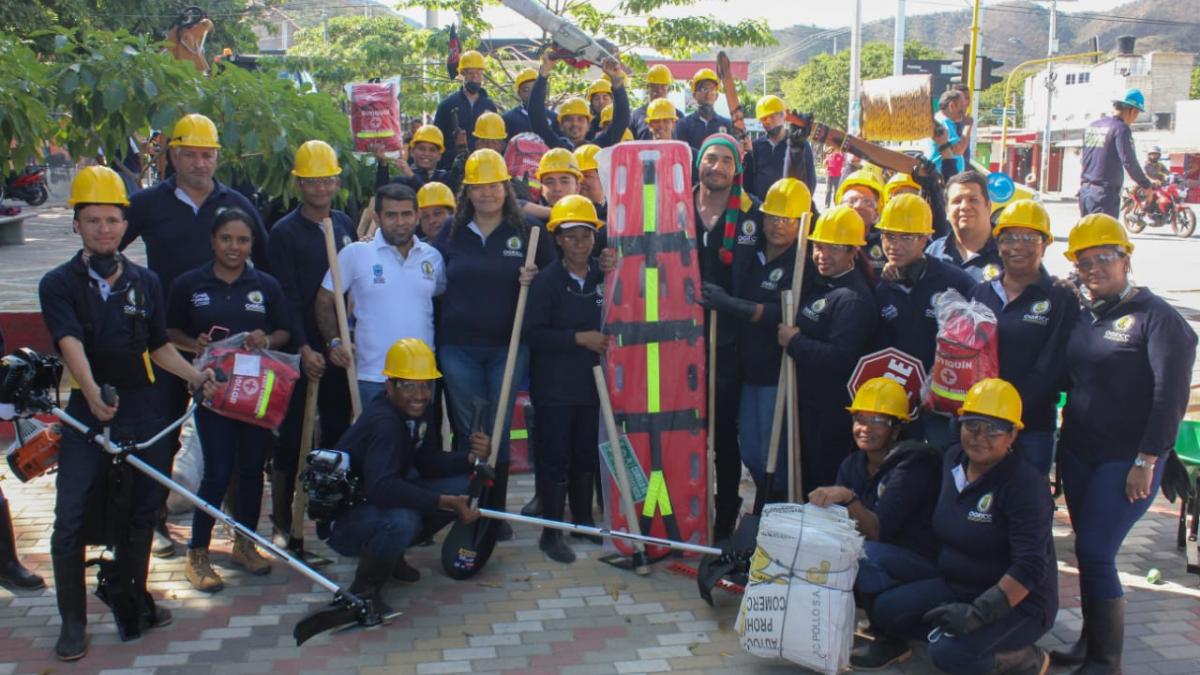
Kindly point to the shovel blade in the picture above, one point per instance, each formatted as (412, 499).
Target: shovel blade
(467, 548)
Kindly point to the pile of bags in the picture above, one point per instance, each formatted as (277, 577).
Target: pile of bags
(799, 602)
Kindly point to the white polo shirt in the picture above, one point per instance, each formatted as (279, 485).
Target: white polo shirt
(392, 297)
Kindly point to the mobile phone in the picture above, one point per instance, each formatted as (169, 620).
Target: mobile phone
(217, 333)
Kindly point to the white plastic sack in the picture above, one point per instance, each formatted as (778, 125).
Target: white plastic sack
(188, 469)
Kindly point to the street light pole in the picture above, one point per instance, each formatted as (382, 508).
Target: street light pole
(853, 123)
(1052, 47)
(898, 42)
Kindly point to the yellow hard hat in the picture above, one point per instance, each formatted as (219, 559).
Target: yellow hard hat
(470, 59)
(315, 159)
(97, 185)
(659, 74)
(897, 181)
(661, 109)
(906, 213)
(1098, 229)
(840, 225)
(485, 166)
(601, 86)
(527, 75)
(881, 395)
(606, 114)
(585, 157)
(490, 126)
(787, 198)
(861, 178)
(434, 193)
(767, 106)
(195, 131)
(429, 133)
(1024, 213)
(558, 160)
(574, 106)
(571, 210)
(626, 135)
(993, 397)
(410, 359)
(705, 74)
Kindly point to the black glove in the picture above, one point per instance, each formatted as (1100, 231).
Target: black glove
(715, 297)
(800, 133)
(960, 618)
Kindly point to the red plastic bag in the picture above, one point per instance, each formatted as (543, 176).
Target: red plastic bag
(375, 115)
(966, 351)
(258, 385)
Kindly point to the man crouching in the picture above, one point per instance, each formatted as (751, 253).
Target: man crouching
(405, 477)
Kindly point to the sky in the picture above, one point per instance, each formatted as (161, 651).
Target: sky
(507, 23)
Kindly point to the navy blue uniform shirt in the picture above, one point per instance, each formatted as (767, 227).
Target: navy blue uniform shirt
(298, 255)
(456, 112)
(558, 308)
(1108, 153)
(481, 283)
(901, 494)
(199, 300)
(451, 178)
(873, 251)
(516, 121)
(758, 280)
(836, 317)
(999, 524)
(638, 125)
(1032, 333)
(541, 123)
(909, 323)
(1129, 375)
(709, 244)
(764, 166)
(385, 445)
(985, 265)
(179, 239)
(693, 129)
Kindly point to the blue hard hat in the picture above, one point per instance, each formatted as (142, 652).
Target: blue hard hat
(1134, 98)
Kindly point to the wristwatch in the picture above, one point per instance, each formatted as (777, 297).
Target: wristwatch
(333, 344)
(1141, 463)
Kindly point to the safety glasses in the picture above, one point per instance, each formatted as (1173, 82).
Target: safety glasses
(867, 419)
(1098, 260)
(1019, 238)
(901, 237)
(988, 428)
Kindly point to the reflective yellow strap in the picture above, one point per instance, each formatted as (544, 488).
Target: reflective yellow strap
(649, 208)
(657, 496)
(264, 400)
(149, 367)
(518, 435)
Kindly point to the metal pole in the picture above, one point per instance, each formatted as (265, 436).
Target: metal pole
(852, 111)
(1051, 48)
(898, 42)
(600, 532)
(431, 18)
(976, 49)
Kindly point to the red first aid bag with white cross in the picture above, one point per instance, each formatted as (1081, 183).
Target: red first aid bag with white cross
(966, 351)
(375, 115)
(257, 384)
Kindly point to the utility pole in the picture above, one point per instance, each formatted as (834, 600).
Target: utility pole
(431, 18)
(1051, 50)
(853, 123)
(898, 42)
(976, 76)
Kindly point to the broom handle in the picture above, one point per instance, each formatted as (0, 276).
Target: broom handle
(510, 361)
(339, 305)
(618, 455)
(795, 474)
(300, 498)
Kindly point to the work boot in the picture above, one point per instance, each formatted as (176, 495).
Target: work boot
(199, 571)
(369, 578)
(246, 556)
(1032, 660)
(71, 593)
(580, 488)
(402, 571)
(551, 541)
(164, 545)
(282, 487)
(498, 499)
(727, 511)
(879, 653)
(1076, 653)
(1105, 637)
(13, 575)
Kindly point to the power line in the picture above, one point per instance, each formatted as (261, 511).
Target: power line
(1074, 16)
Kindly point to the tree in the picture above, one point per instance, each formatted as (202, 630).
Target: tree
(993, 97)
(1195, 91)
(821, 86)
(24, 116)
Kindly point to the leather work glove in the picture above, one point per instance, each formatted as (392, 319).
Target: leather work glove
(960, 618)
(799, 133)
(715, 297)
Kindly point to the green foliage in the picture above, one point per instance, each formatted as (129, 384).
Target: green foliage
(821, 85)
(1195, 90)
(993, 97)
(679, 37)
(24, 115)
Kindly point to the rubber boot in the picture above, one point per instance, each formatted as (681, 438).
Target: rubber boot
(369, 578)
(13, 575)
(1032, 660)
(533, 507)
(137, 548)
(1076, 653)
(282, 487)
(1105, 637)
(405, 572)
(551, 542)
(71, 592)
(727, 510)
(499, 499)
(580, 487)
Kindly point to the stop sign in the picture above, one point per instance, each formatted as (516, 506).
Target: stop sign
(894, 365)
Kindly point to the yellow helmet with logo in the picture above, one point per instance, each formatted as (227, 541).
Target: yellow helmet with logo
(196, 131)
(705, 75)
(993, 397)
(434, 193)
(787, 198)
(585, 157)
(661, 109)
(659, 74)
(490, 126)
(574, 106)
(861, 178)
(558, 160)
(315, 159)
(1024, 213)
(840, 225)
(898, 181)
(906, 214)
(601, 86)
(485, 166)
(573, 209)
(470, 59)
(429, 133)
(881, 395)
(1097, 229)
(767, 106)
(97, 185)
(410, 359)
(527, 75)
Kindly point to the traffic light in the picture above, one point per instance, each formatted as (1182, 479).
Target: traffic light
(964, 65)
(987, 74)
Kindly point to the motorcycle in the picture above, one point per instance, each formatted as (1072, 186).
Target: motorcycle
(1158, 207)
(29, 186)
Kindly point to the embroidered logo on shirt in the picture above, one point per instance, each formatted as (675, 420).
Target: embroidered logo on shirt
(1038, 313)
(514, 247)
(201, 299)
(599, 294)
(776, 274)
(991, 272)
(981, 513)
(133, 303)
(427, 269)
(814, 310)
(749, 233)
(876, 252)
(889, 312)
(377, 274)
(1120, 329)
(255, 302)
(346, 240)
